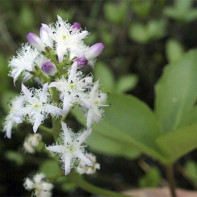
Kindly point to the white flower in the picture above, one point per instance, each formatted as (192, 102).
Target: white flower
(31, 142)
(68, 40)
(11, 120)
(39, 185)
(72, 89)
(37, 106)
(96, 100)
(23, 62)
(82, 168)
(71, 148)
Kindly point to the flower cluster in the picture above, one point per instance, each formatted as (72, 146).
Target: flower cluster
(31, 142)
(54, 60)
(39, 185)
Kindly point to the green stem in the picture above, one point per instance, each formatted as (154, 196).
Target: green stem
(170, 177)
(55, 122)
(92, 188)
(48, 130)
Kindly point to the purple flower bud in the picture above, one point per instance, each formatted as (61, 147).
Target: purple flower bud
(94, 51)
(81, 61)
(35, 41)
(49, 68)
(76, 25)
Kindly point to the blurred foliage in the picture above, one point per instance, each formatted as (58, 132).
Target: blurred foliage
(151, 178)
(140, 37)
(182, 11)
(191, 170)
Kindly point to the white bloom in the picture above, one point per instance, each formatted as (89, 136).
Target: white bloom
(82, 168)
(37, 106)
(39, 185)
(23, 62)
(96, 100)
(68, 40)
(11, 120)
(31, 142)
(70, 148)
(72, 89)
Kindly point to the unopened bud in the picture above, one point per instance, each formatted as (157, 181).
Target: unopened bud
(35, 41)
(94, 51)
(76, 25)
(81, 61)
(49, 68)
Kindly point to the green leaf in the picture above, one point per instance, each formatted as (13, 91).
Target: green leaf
(50, 168)
(6, 98)
(177, 143)
(181, 11)
(151, 178)
(105, 76)
(176, 91)
(138, 33)
(155, 29)
(142, 8)
(131, 122)
(189, 118)
(15, 157)
(108, 146)
(126, 83)
(116, 13)
(191, 170)
(174, 50)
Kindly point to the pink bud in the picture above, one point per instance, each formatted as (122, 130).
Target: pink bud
(94, 51)
(35, 41)
(81, 61)
(76, 25)
(49, 68)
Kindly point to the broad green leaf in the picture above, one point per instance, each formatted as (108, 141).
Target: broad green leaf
(126, 83)
(108, 146)
(174, 50)
(151, 178)
(176, 91)
(50, 168)
(105, 76)
(177, 143)
(131, 122)
(189, 118)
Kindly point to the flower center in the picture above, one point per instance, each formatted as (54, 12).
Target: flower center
(72, 86)
(36, 105)
(64, 36)
(96, 102)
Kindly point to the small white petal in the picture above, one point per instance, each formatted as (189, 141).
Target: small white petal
(84, 135)
(67, 163)
(60, 20)
(9, 130)
(84, 159)
(55, 148)
(89, 118)
(66, 104)
(18, 120)
(25, 90)
(38, 121)
(45, 88)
